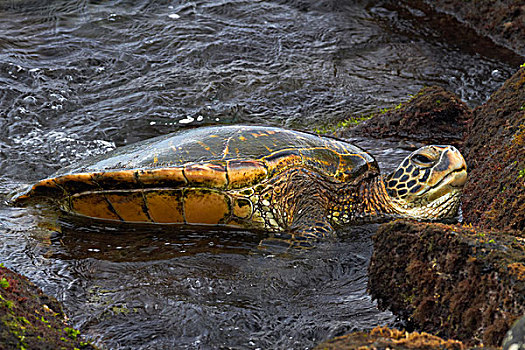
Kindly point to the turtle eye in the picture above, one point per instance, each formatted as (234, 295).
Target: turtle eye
(421, 159)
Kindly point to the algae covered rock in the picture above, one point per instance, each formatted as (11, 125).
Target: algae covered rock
(432, 115)
(494, 197)
(386, 338)
(450, 280)
(29, 319)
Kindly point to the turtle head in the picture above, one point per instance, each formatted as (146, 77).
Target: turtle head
(428, 183)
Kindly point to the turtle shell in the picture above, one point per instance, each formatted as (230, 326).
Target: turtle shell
(212, 161)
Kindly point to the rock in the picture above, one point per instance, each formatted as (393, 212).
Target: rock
(433, 115)
(386, 338)
(515, 337)
(450, 280)
(29, 319)
(502, 21)
(494, 196)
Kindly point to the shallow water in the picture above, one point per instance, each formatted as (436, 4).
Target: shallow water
(78, 78)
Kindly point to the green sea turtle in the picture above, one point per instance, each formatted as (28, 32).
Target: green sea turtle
(256, 177)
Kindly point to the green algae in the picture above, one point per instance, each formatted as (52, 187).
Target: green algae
(344, 124)
(30, 319)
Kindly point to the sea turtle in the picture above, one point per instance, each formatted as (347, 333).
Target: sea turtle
(256, 177)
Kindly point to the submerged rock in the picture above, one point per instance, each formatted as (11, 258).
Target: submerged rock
(29, 319)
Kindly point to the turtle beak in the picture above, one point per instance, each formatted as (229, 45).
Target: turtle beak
(457, 167)
(452, 170)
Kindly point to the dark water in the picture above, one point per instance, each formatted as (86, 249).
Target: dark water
(78, 78)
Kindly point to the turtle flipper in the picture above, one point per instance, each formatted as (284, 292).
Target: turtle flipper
(304, 236)
(314, 231)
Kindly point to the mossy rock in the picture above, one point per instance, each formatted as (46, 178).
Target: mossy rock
(494, 197)
(432, 115)
(386, 338)
(29, 319)
(450, 280)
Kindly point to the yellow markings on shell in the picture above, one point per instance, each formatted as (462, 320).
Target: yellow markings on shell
(120, 177)
(47, 183)
(205, 146)
(92, 204)
(242, 138)
(42, 186)
(279, 164)
(155, 176)
(342, 174)
(155, 159)
(72, 180)
(226, 149)
(165, 206)
(129, 206)
(207, 174)
(205, 206)
(245, 173)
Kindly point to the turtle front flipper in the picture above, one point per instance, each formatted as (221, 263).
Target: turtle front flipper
(304, 236)
(304, 208)
(308, 227)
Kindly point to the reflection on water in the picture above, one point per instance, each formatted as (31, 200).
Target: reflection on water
(143, 242)
(78, 78)
(214, 289)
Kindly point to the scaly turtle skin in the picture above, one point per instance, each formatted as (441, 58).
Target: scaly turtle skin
(256, 178)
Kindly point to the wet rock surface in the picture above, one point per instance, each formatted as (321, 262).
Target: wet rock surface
(515, 337)
(29, 319)
(503, 21)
